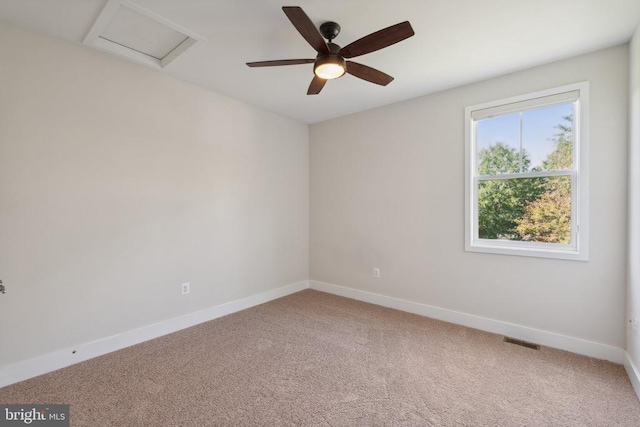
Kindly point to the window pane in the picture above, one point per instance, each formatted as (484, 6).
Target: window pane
(547, 137)
(526, 209)
(498, 144)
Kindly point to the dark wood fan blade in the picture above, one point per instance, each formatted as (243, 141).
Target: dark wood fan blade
(369, 74)
(280, 62)
(378, 40)
(306, 28)
(316, 85)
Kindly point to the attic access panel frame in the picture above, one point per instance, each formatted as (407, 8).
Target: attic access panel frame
(94, 36)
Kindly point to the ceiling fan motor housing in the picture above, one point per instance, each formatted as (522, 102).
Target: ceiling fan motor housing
(333, 60)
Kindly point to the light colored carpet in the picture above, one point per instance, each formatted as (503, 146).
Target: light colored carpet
(315, 359)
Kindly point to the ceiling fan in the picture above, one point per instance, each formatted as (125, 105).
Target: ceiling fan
(330, 62)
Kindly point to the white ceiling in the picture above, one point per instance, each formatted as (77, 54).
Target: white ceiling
(456, 42)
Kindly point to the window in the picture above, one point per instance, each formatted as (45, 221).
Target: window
(526, 182)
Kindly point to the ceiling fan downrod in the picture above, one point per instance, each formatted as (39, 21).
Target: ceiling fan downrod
(330, 30)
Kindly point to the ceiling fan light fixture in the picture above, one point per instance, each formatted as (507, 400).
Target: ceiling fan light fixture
(330, 67)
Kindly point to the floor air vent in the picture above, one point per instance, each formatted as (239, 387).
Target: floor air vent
(521, 343)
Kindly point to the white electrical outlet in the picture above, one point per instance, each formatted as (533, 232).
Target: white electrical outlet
(376, 272)
(634, 325)
(186, 288)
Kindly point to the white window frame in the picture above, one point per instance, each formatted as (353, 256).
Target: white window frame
(579, 248)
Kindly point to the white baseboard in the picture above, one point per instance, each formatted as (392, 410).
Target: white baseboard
(634, 374)
(549, 339)
(30, 368)
(21, 371)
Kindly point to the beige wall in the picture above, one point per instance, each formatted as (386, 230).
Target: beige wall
(118, 183)
(387, 191)
(633, 296)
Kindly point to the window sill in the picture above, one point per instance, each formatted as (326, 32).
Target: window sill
(527, 250)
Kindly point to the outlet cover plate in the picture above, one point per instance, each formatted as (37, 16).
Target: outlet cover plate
(186, 288)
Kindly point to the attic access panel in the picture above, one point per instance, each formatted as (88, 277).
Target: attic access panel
(129, 30)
